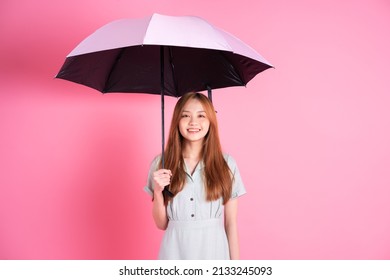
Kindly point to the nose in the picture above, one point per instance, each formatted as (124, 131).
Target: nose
(192, 121)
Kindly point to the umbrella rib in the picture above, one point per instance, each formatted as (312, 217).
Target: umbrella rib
(223, 54)
(172, 65)
(118, 57)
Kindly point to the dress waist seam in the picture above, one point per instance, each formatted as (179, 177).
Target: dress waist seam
(209, 223)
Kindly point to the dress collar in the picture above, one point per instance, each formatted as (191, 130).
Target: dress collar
(198, 167)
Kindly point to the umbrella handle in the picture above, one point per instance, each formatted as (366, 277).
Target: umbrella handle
(167, 192)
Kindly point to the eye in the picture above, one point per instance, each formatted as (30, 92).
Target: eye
(185, 115)
(202, 116)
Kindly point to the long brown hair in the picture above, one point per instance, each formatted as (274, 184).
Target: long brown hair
(216, 172)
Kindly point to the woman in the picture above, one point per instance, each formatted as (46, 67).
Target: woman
(200, 218)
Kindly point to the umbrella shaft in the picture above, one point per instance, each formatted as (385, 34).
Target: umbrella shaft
(162, 106)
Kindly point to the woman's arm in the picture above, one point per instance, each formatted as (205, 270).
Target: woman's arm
(159, 211)
(231, 228)
(161, 178)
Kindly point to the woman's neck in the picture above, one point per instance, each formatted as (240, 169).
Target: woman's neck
(192, 150)
(192, 155)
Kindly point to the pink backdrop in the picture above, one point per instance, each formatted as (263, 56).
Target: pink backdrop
(311, 137)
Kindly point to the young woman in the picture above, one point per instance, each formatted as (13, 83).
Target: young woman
(200, 217)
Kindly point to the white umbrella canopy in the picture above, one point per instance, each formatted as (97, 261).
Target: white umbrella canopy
(125, 56)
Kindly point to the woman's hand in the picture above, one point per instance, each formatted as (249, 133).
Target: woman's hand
(161, 178)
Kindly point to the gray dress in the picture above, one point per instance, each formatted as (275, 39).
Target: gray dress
(196, 227)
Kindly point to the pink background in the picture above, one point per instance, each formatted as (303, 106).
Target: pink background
(311, 137)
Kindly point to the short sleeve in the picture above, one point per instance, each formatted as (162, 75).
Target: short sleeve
(153, 167)
(238, 188)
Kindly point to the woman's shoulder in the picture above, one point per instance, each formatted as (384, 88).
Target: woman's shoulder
(156, 161)
(157, 158)
(229, 160)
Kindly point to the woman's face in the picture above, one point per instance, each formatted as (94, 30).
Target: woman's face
(194, 123)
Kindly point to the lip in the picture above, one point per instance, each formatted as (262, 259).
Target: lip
(193, 130)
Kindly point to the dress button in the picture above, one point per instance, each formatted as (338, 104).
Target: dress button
(192, 215)
(191, 198)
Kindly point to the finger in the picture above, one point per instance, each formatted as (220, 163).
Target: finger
(165, 171)
(162, 177)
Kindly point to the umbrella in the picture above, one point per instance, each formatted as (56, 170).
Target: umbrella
(161, 54)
